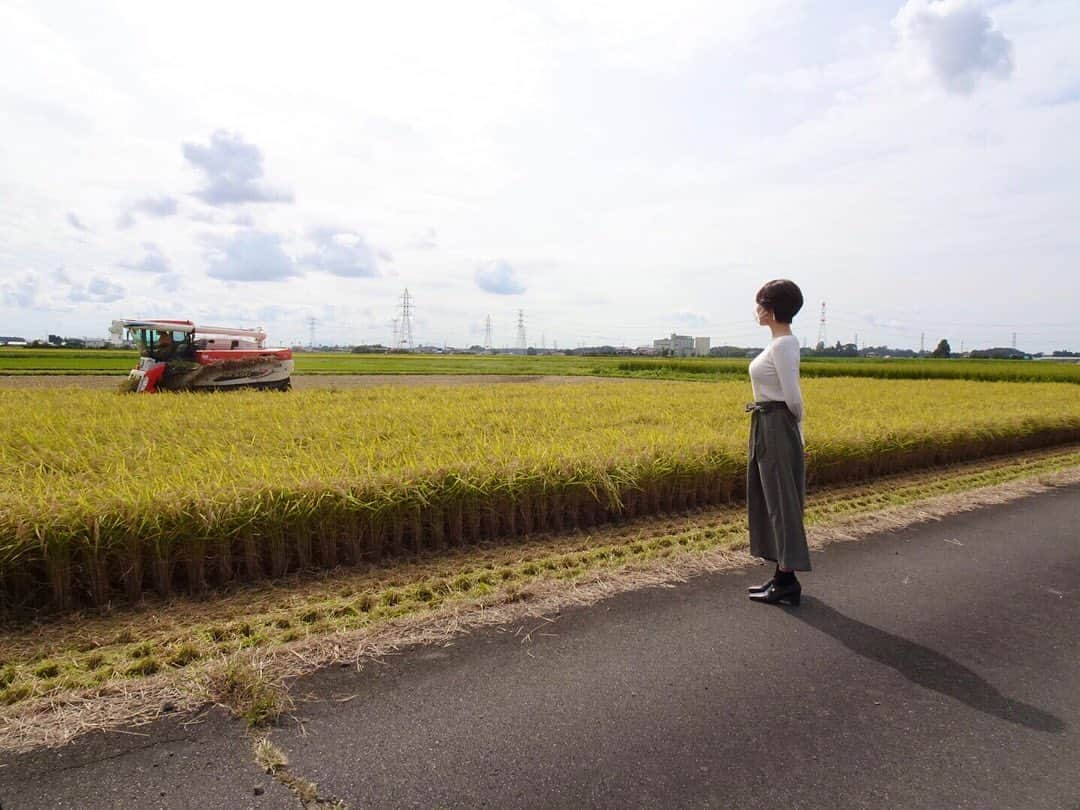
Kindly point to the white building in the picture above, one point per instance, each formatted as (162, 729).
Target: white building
(701, 346)
(676, 345)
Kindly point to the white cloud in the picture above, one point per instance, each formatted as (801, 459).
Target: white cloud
(158, 207)
(232, 170)
(498, 277)
(250, 255)
(152, 261)
(691, 319)
(98, 290)
(956, 40)
(21, 293)
(342, 253)
(170, 282)
(75, 222)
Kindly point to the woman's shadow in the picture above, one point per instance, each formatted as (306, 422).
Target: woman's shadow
(923, 666)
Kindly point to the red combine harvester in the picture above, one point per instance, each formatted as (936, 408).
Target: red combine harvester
(180, 356)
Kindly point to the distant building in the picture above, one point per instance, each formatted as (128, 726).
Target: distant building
(12, 341)
(701, 347)
(676, 345)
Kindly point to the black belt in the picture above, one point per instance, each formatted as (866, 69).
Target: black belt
(767, 406)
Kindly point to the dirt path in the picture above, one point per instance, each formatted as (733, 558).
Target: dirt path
(304, 382)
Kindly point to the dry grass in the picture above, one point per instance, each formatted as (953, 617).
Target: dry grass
(274, 761)
(530, 580)
(268, 756)
(246, 686)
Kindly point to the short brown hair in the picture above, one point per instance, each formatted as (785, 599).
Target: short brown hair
(781, 297)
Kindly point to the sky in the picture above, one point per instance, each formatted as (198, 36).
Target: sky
(615, 170)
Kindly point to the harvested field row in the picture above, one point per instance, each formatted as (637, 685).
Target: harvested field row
(104, 496)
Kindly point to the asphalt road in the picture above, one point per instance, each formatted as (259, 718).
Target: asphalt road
(934, 667)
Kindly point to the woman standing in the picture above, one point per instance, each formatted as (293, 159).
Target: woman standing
(776, 473)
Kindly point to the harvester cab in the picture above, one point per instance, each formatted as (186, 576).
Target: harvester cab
(163, 345)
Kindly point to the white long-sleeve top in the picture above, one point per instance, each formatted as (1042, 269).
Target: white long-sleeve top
(774, 375)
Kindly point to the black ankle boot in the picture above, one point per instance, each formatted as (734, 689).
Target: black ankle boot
(765, 585)
(780, 592)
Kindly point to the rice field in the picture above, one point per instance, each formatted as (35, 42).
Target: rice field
(71, 362)
(103, 496)
(887, 369)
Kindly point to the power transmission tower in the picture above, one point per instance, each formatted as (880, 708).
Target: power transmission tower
(311, 321)
(1014, 340)
(394, 339)
(487, 334)
(521, 343)
(405, 337)
(922, 342)
(821, 332)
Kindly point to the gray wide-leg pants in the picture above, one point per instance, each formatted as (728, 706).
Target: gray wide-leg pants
(776, 489)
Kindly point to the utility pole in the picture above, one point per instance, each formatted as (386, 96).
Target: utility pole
(487, 334)
(922, 342)
(311, 321)
(405, 337)
(521, 342)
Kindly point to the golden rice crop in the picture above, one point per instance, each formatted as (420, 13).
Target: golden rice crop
(103, 495)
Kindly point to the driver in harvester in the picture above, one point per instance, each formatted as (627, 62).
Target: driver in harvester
(165, 349)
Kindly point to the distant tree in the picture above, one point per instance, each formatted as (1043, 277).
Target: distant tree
(943, 350)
